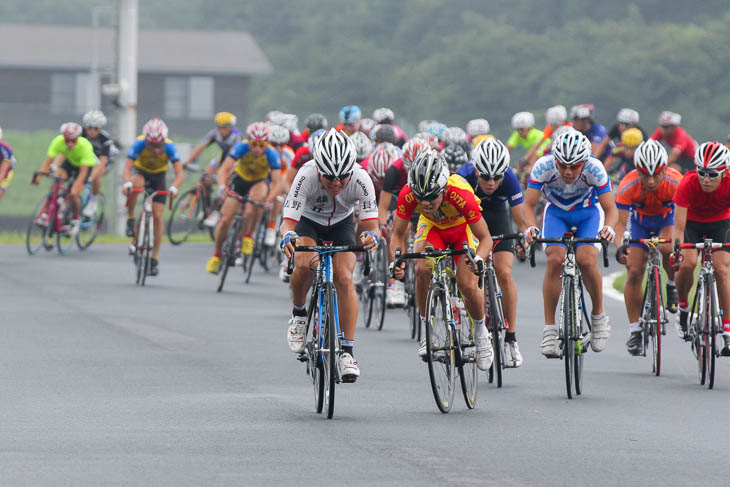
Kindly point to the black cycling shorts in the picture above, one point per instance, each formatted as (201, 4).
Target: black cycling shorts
(242, 187)
(341, 233)
(499, 221)
(153, 182)
(696, 232)
(73, 171)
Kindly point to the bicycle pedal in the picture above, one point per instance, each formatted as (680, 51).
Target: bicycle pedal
(349, 379)
(302, 357)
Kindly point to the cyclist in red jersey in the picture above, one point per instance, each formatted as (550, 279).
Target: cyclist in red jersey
(645, 209)
(681, 145)
(703, 211)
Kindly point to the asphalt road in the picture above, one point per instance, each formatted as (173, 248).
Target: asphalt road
(104, 383)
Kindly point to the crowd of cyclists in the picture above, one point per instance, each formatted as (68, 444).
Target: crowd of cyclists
(364, 180)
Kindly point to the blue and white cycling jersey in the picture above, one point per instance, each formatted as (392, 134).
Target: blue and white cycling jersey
(584, 192)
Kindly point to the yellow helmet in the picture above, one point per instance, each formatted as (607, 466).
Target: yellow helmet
(475, 141)
(632, 137)
(225, 119)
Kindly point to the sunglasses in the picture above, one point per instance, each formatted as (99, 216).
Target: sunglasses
(497, 178)
(258, 144)
(332, 179)
(667, 126)
(70, 140)
(572, 166)
(709, 174)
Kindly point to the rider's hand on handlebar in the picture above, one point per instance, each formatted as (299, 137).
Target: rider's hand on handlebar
(126, 188)
(530, 234)
(369, 239)
(287, 243)
(621, 254)
(479, 263)
(397, 272)
(607, 233)
(34, 179)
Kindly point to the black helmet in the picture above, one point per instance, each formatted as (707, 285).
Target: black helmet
(429, 175)
(315, 121)
(455, 157)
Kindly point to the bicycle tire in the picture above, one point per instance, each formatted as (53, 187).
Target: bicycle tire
(90, 226)
(183, 217)
(711, 342)
(699, 329)
(64, 240)
(497, 326)
(581, 321)
(468, 372)
(567, 316)
(314, 355)
(656, 324)
(440, 349)
(411, 306)
(37, 236)
(331, 355)
(139, 251)
(146, 248)
(263, 254)
(258, 246)
(381, 277)
(229, 253)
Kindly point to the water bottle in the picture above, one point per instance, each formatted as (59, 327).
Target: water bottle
(458, 311)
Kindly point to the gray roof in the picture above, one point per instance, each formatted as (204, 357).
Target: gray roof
(163, 51)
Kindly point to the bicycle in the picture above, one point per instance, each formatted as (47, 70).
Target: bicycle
(450, 339)
(371, 290)
(141, 249)
(232, 244)
(260, 252)
(574, 326)
(706, 322)
(653, 319)
(323, 336)
(52, 217)
(493, 312)
(190, 211)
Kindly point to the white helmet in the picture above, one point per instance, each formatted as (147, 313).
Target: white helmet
(383, 115)
(571, 148)
(71, 131)
(363, 145)
(1, 133)
(556, 115)
(380, 160)
(334, 154)
(712, 155)
(279, 135)
(670, 118)
(454, 136)
(478, 126)
(424, 125)
(366, 125)
(428, 175)
(523, 120)
(650, 157)
(627, 116)
(490, 158)
(94, 119)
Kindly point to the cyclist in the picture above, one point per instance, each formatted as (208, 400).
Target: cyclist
(78, 158)
(93, 123)
(385, 116)
(625, 119)
(314, 122)
(349, 117)
(320, 207)
(621, 160)
(475, 128)
(682, 155)
(455, 157)
(496, 185)
(555, 117)
(526, 135)
(225, 135)
(595, 132)
(363, 146)
(573, 182)
(279, 138)
(645, 196)
(703, 211)
(7, 163)
(450, 215)
(146, 167)
(257, 176)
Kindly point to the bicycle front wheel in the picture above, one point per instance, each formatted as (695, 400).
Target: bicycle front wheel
(655, 326)
(700, 325)
(229, 253)
(496, 326)
(39, 229)
(64, 239)
(714, 328)
(90, 226)
(381, 279)
(332, 350)
(468, 372)
(440, 348)
(566, 310)
(184, 217)
(146, 248)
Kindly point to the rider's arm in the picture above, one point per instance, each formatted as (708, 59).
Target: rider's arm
(80, 180)
(179, 174)
(481, 232)
(127, 173)
(609, 208)
(680, 221)
(623, 218)
(196, 153)
(383, 205)
(601, 146)
(673, 156)
(518, 214)
(276, 184)
(46, 166)
(532, 196)
(225, 170)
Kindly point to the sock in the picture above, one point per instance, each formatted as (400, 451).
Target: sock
(217, 254)
(271, 225)
(597, 317)
(634, 327)
(683, 304)
(726, 326)
(347, 346)
(551, 327)
(670, 283)
(299, 310)
(510, 337)
(479, 328)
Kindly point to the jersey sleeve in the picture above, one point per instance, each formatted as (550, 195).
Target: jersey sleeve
(297, 197)
(657, 135)
(406, 203)
(56, 146)
(273, 158)
(87, 156)
(209, 137)
(540, 173)
(684, 193)
(467, 172)
(173, 154)
(366, 196)
(513, 188)
(597, 176)
(514, 139)
(391, 180)
(239, 150)
(135, 149)
(626, 193)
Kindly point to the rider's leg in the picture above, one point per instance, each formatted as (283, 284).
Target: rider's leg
(633, 293)
(228, 210)
(252, 214)
(137, 183)
(158, 208)
(503, 268)
(301, 277)
(587, 259)
(551, 284)
(344, 264)
(666, 250)
(96, 174)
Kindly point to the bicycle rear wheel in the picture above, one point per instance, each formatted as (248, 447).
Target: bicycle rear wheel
(146, 248)
(440, 349)
(700, 326)
(90, 226)
(184, 217)
(580, 331)
(314, 352)
(139, 250)
(229, 253)
(468, 372)
(39, 231)
(566, 309)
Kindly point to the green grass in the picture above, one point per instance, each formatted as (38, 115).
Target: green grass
(620, 281)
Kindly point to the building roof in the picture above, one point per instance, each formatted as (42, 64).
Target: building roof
(161, 51)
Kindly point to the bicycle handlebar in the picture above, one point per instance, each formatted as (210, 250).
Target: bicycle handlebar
(48, 175)
(432, 252)
(569, 237)
(322, 249)
(151, 195)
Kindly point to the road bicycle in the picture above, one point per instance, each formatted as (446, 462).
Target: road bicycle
(450, 339)
(574, 324)
(653, 319)
(371, 289)
(144, 234)
(52, 218)
(323, 335)
(493, 311)
(260, 252)
(705, 325)
(190, 211)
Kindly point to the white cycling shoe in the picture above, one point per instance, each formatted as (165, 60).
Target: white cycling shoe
(349, 371)
(549, 343)
(270, 237)
(485, 352)
(600, 331)
(512, 355)
(295, 334)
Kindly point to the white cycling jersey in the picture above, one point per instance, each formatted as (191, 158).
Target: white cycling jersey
(307, 197)
(593, 181)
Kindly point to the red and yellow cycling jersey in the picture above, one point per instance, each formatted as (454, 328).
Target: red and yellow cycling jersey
(460, 205)
(631, 193)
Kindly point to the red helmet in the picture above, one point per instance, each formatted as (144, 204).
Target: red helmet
(380, 160)
(155, 131)
(258, 132)
(412, 148)
(71, 131)
(712, 155)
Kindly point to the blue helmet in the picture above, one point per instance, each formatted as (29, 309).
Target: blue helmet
(350, 114)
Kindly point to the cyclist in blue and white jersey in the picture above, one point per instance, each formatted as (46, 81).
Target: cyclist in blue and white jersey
(595, 132)
(573, 183)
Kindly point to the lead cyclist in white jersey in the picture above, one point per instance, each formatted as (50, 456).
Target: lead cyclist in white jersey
(319, 208)
(573, 182)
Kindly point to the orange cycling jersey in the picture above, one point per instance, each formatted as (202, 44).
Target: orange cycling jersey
(631, 193)
(460, 205)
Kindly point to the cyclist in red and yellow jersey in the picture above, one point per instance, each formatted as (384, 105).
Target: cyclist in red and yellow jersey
(450, 215)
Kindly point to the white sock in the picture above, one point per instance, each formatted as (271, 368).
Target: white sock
(670, 283)
(479, 328)
(634, 327)
(550, 327)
